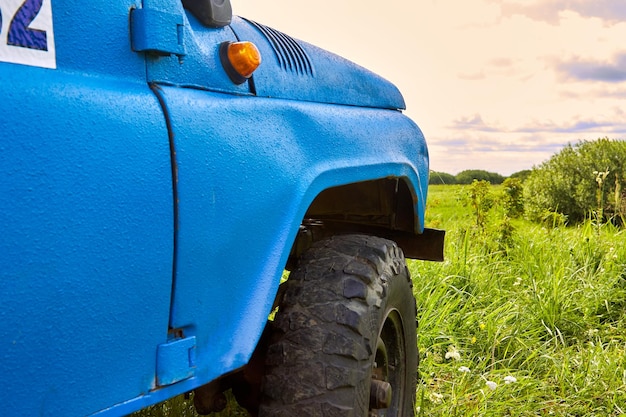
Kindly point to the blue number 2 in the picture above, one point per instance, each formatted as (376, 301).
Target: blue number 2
(19, 32)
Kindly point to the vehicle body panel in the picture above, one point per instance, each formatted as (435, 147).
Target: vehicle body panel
(248, 169)
(300, 71)
(150, 205)
(87, 247)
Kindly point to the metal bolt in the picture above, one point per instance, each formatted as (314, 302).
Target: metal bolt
(380, 394)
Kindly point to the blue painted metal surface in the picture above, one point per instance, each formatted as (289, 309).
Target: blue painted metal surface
(176, 361)
(157, 32)
(86, 254)
(299, 71)
(251, 167)
(200, 68)
(96, 267)
(87, 220)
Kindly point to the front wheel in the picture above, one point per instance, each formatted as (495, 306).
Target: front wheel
(343, 342)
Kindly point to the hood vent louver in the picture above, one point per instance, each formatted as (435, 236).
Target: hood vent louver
(289, 53)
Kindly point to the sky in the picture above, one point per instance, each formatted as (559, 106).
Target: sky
(499, 85)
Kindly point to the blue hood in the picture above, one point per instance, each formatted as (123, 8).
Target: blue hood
(296, 70)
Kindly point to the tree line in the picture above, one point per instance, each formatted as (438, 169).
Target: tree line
(471, 175)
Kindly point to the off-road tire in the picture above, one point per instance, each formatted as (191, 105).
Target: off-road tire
(348, 295)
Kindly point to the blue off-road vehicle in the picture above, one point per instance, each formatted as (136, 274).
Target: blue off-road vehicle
(162, 164)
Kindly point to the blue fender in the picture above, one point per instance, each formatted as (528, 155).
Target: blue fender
(248, 169)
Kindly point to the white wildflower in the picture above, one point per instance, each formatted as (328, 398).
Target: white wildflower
(464, 369)
(491, 385)
(510, 379)
(453, 354)
(435, 397)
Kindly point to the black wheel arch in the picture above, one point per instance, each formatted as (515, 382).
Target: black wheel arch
(382, 207)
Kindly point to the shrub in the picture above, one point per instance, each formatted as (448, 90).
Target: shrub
(521, 175)
(481, 200)
(512, 197)
(441, 178)
(580, 180)
(468, 176)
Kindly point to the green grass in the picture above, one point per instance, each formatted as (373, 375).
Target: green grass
(543, 305)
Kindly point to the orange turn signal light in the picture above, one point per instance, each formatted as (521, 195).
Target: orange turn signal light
(240, 60)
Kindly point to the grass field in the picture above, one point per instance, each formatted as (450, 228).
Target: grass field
(520, 320)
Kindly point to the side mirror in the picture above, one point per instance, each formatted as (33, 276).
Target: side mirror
(211, 13)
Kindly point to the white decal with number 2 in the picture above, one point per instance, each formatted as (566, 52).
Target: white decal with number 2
(26, 33)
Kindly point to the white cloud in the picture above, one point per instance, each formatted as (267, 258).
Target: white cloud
(611, 11)
(611, 71)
